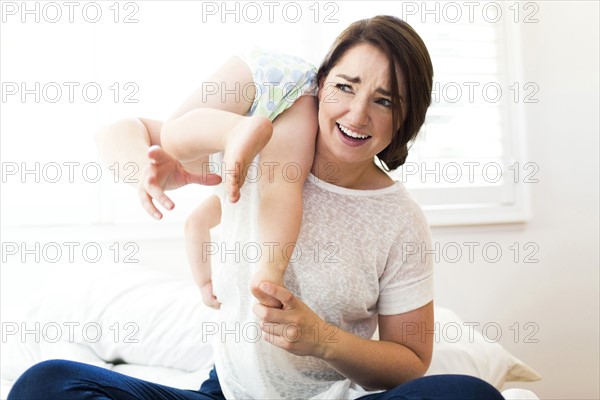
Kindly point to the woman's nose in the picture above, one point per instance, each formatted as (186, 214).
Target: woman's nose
(358, 111)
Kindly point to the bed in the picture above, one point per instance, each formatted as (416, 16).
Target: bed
(151, 324)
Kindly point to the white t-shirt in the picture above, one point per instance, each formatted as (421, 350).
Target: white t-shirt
(355, 258)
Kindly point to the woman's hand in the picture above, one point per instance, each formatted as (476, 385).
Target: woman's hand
(163, 172)
(295, 328)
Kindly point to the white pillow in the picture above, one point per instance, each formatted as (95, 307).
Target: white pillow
(467, 352)
(120, 313)
(150, 318)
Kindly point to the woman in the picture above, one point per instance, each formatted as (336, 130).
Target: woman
(374, 90)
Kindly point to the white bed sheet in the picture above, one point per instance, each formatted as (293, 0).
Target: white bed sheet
(167, 314)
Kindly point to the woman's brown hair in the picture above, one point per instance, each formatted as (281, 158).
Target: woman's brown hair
(405, 49)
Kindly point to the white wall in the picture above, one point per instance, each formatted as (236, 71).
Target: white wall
(560, 293)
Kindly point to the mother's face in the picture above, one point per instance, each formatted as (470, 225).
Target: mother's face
(355, 107)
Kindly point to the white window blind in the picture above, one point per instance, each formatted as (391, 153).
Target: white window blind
(50, 173)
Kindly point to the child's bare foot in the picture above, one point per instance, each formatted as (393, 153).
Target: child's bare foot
(243, 144)
(266, 275)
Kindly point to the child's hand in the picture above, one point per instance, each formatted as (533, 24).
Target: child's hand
(266, 275)
(166, 173)
(208, 296)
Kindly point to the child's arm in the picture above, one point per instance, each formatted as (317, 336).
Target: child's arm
(290, 151)
(197, 236)
(136, 142)
(127, 141)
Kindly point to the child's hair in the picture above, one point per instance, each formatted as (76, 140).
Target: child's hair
(405, 49)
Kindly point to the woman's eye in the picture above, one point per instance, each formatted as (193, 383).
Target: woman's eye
(384, 102)
(344, 87)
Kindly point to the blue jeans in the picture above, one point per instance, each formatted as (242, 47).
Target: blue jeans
(70, 380)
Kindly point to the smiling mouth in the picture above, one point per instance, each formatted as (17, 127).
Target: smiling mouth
(351, 135)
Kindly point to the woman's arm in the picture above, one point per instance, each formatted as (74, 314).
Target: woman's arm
(402, 353)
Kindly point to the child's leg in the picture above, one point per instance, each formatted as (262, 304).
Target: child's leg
(290, 151)
(209, 123)
(197, 235)
(205, 131)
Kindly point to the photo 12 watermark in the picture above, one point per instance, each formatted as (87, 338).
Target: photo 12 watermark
(69, 12)
(69, 92)
(489, 252)
(69, 252)
(466, 172)
(454, 332)
(51, 172)
(252, 252)
(69, 331)
(453, 12)
(252, 332)
(253, 12)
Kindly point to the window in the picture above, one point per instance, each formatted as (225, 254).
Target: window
(468, 165)
(68, 69)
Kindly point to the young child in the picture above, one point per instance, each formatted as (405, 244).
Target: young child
(279, 125)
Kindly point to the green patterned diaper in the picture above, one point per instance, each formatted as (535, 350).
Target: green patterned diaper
(280, 79)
